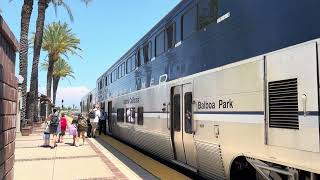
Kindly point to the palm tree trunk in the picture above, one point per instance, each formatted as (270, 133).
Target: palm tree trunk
(49, 78)
(55, 87)
(42, 6)
(23, 55)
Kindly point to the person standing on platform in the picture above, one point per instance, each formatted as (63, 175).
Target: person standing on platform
(63, 127)
(103, 122)
(82, 125)
(53, 127)
(94, 121)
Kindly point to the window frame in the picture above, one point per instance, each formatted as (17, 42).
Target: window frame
(175, 120)
(187, 107)
(174, 33)
(119, 117)
(182, 24)
(131, 114)
(140, 119)
(198, 16)
(162, 32)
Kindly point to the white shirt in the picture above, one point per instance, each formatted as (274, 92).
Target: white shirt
(97, 114)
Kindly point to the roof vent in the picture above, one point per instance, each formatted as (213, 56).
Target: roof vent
(283, 104)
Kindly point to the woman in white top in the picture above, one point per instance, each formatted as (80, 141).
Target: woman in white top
(94, 122)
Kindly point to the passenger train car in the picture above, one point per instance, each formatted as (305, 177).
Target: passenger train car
(228, 89)
(88, 101)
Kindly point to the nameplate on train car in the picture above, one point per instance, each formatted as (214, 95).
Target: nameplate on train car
(132, 100)
(220, 104)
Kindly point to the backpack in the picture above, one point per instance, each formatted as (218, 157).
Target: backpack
(82, 123)
(92, 115)
(54, 120)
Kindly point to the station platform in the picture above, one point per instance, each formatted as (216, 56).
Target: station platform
(99, 158)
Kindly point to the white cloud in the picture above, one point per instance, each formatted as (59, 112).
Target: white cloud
(71, 95)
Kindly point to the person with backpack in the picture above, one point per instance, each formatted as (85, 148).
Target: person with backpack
(53, 127)
(103, 122)
(82, 125)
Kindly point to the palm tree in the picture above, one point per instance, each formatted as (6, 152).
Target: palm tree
(42, 6)
(61, 70)
(23, 54)
(58, 40)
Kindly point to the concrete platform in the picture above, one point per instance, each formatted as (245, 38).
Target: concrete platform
(89, 161)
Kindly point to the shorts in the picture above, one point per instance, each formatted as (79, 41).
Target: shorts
(94, 125)
(80, 129)
(62, 133)
(53, 129)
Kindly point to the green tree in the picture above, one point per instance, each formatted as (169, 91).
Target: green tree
(61, 70)
(42, 6)
(58, 40)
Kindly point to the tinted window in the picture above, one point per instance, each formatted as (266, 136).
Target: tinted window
(208, 12)
(188, 112)
(120, 115)
(129, 65)
(114, 75)
(189, 23)
(170, 36)
(160, 44)
(140, 115)
(131, 115)
(138, 62)
(147, 52)
(176, 112)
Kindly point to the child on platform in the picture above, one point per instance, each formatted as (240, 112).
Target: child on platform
(73, 131)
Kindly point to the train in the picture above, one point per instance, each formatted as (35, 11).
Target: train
(226, 89)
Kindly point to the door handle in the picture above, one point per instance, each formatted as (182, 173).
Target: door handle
(304, 104)
(168, 124)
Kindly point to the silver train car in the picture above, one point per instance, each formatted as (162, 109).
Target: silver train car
(224, 90)
(88, 101)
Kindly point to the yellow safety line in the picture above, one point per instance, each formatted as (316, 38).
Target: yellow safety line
(154, 167)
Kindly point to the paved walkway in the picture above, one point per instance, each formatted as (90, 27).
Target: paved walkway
(90, 161)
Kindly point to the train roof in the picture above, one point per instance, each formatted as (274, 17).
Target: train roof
(168, 18)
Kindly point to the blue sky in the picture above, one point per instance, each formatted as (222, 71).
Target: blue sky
(107, 29)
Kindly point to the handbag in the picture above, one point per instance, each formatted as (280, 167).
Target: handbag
(47, 129)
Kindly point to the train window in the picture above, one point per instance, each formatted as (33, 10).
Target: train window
(140, 115)
(189, 23)
(176, 112)
(121, 70)
(138, 60)
(120, 115)
(114, 75)
(188, 112)
(170, 38)
(208, 12)
(131, 115)
(147, 52)
(159, 44)
(129, 61)
(133, 62)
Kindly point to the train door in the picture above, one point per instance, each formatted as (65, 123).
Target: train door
(182, 125)
(110, 117)
(292, 98)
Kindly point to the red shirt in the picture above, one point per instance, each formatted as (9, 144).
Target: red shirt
(63, 123)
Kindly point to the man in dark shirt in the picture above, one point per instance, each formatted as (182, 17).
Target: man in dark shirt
(103, 122)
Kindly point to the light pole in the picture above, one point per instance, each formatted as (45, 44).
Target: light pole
(62, 104)
(18, 118)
